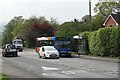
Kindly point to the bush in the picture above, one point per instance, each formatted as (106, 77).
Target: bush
(105, 42)
(85, 34)
(93, 43)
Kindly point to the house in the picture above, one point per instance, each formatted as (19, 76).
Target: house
(112, 20)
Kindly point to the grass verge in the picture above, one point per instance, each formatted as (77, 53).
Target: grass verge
(3, 77)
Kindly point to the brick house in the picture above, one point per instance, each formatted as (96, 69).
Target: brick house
(112, 20)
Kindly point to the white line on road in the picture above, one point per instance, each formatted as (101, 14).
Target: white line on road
(44, 74)
(1, 60)
(49, 68)
(68, 72)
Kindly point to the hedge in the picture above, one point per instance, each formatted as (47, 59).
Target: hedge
(104, 42)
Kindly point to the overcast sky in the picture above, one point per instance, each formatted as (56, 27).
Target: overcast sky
(63, 10)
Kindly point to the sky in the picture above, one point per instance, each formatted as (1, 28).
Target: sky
(62, 10)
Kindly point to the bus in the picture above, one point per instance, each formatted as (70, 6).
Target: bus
(44, 41)
(62, 44)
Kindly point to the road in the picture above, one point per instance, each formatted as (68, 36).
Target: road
(28, 65)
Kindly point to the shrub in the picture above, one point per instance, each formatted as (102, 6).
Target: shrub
(105, 42)
(85, 34)
(93, 43)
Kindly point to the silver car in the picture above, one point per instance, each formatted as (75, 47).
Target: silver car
(9, 50)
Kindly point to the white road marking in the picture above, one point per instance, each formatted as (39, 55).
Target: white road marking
(67, 72)
(49, 68)
(1, 60)
(44, 74)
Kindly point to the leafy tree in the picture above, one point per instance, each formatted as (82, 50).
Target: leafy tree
(8, 35)
(102, 10)
(36, 27)
(106, 8)
(69, 29)
(54, 24)
(28, 29)
(97, 22)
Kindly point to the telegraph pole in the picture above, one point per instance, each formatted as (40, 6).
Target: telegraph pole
(90, 15)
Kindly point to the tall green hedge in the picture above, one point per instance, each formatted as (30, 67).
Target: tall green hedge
(85, 34)
(104, 42)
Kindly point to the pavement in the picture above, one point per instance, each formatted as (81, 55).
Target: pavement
(98, 58)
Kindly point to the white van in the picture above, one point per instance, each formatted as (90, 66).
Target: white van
(19, 44)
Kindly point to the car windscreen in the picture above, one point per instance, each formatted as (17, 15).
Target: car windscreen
(17, 42)
(11, 46)
(50, 49)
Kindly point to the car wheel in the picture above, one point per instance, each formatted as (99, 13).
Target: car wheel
(57, 58)
(21, 50)
(39, 56)
(70, 55)
(3, 55)
(60, 55)
(16, 54)
(44, 57)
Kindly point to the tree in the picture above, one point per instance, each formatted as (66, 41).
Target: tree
(35, 27)
(69, 29)
(7, 34)
(102, 10)
(97, 22)
(27, 29)
(54, 24)
(106, 8)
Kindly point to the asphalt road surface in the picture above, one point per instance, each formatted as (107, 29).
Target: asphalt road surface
(28, 65)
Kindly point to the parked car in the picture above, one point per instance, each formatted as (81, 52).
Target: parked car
(48, 52)
(9, 50)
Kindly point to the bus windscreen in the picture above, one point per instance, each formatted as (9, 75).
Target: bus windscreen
(45, 43)
(62, 44)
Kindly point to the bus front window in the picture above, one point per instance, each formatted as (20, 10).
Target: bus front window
(62, 44)
(45, 43)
